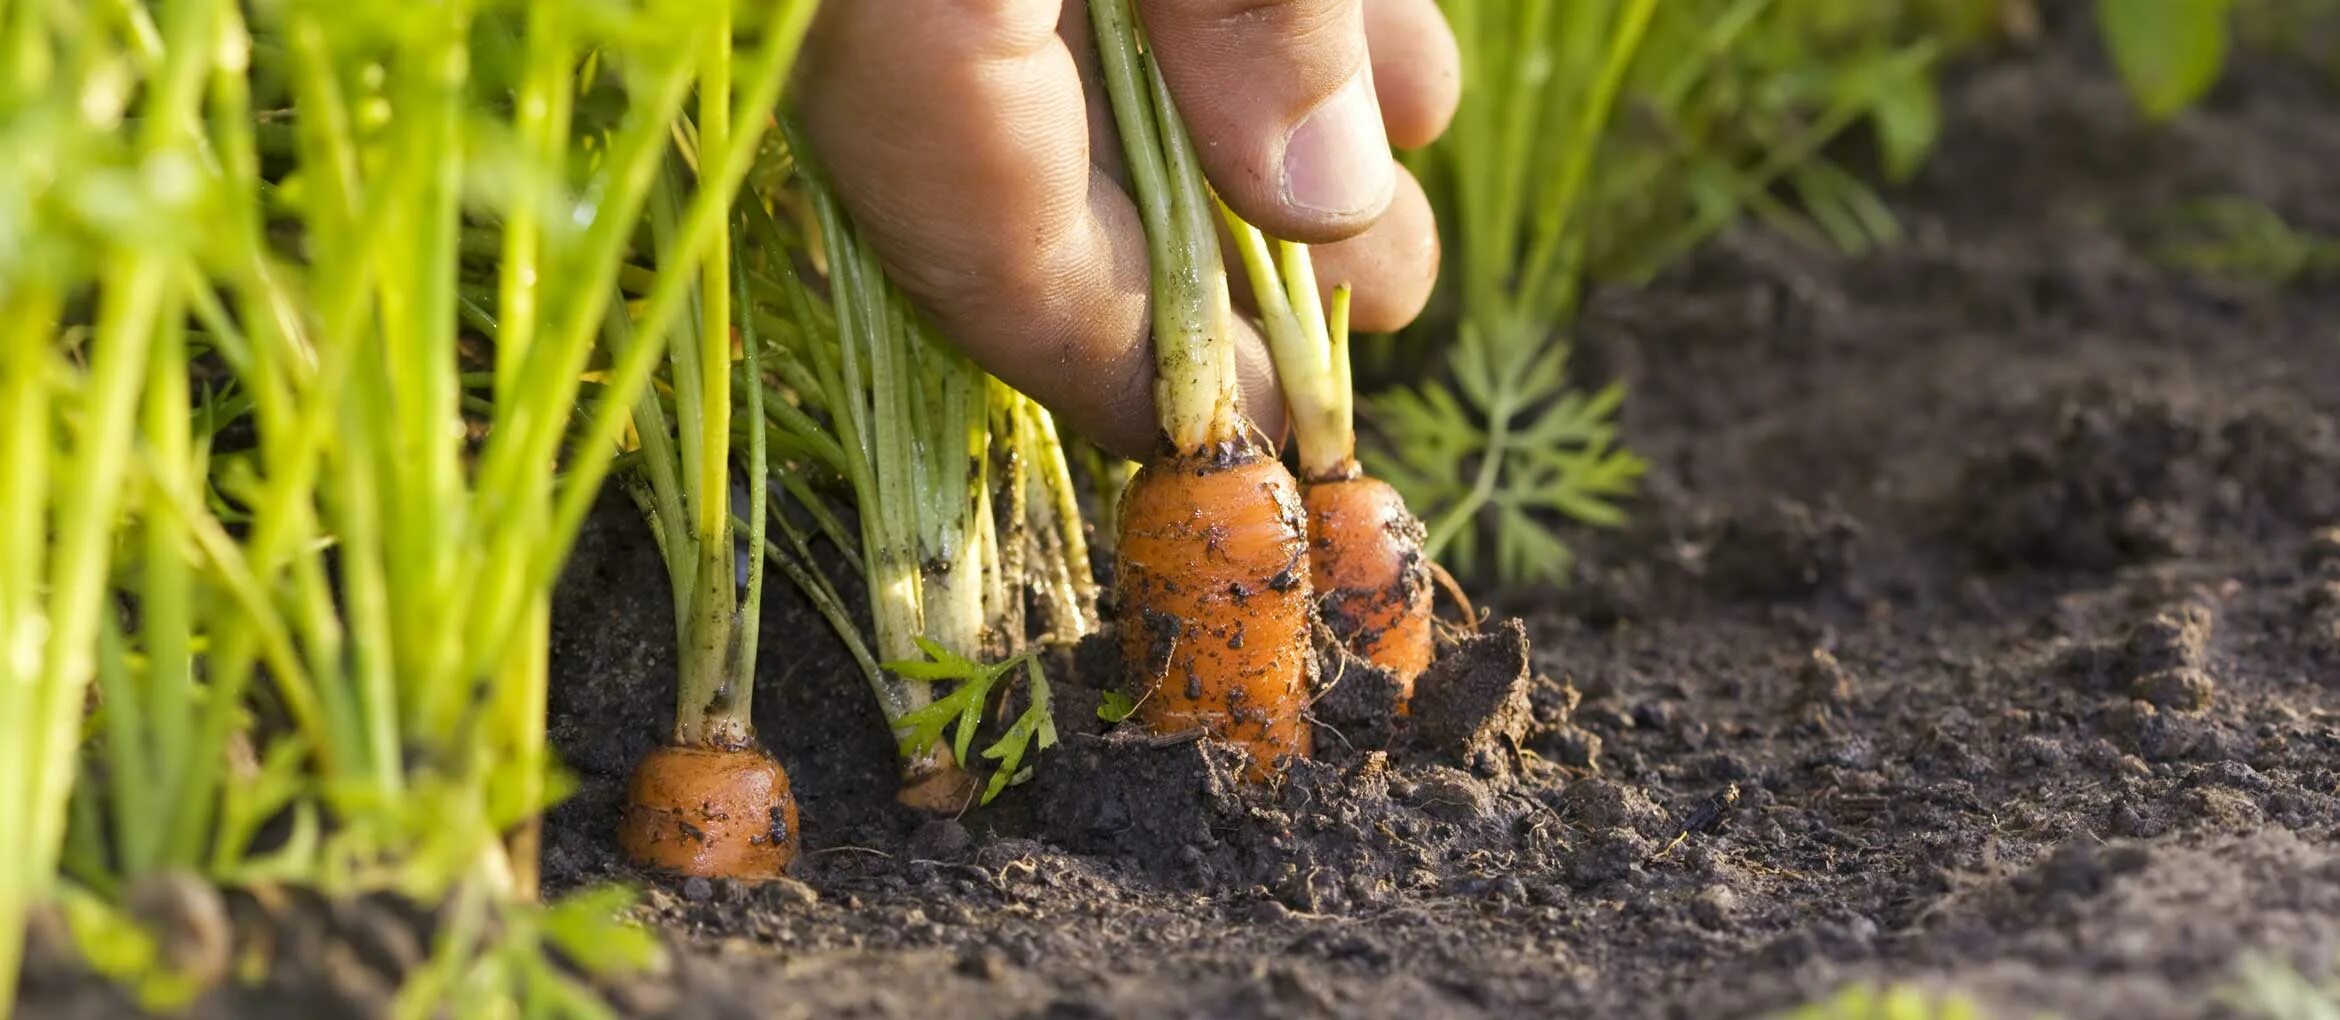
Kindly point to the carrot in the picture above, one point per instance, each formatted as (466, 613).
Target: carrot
(1365, 556)
(710, 802)
(1213, 582)
(724, 812)
(1214, 585)
(1365, 559)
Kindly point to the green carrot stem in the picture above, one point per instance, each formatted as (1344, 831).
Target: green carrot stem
(1195, 385)
(1312, 372)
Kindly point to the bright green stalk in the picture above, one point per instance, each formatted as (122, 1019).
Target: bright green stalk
(864, 396)
(1542, 82)
(1195, 386)
(783, 35)
(751, 609)
(135, 287)
(913, 420)
(949, 462)
(714, 480)
(25, 501)
(1312, 372)
(685, 464)
(542, 115)
(153, 734)
(92, 494)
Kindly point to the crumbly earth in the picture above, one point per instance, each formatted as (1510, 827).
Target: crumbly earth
(1978, 628)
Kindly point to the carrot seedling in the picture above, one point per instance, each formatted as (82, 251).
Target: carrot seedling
(1489, 459)
(1213, 578)
(711, 801)
(383, 593)
(1365, 554)
(966, 512)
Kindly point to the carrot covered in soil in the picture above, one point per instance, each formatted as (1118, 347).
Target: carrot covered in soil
(1213, 580)
(1364, 548)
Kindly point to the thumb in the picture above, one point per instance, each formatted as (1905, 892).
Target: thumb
(1279, 96)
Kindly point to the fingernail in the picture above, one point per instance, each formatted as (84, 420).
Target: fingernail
(1337, 162)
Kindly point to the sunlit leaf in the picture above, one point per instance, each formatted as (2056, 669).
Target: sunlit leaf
(2168, 52)
(590, 928)
(1907, 113)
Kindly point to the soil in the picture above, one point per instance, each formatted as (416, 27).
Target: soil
(1978, 627)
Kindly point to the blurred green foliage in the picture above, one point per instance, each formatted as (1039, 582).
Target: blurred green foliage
(2168, 52)
(1866, 1001)
(1604, 139)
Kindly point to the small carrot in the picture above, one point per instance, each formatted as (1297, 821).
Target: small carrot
(710, 802)
(1214, 587)
(1213, 580)
(716, 812)
(1365, 557)
(1364, 548)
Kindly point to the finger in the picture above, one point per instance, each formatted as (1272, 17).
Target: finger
(1390, 268)
(954, 134)
(1279, 97)
(1417, 69)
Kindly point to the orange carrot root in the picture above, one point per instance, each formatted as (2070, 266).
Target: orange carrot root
(1366, 562)
(936, 784)
(710, 813)
(1213, 585)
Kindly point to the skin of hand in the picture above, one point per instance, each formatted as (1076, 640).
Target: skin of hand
(971, 141)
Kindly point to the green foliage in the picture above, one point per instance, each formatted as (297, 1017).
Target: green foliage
(326, 206)
(966, 508)
(115, 945)
(1116, 706)
(1562, 458)
(489, 955)
(1866, 1001)
(961, 711)
(1034, 730)
(1603, 139)
(2270, 990)
(2168, 52)
(2236, 238)
(1734, 106)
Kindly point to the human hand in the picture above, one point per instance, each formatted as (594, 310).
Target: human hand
(971, 141)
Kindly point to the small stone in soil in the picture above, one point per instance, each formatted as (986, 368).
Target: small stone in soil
(1450, 795)
(698, 890)
(2174, 638)
(1715, 906)
(1608, 855)
(1605, 804)
(2182, 689)
(1270, 912)
(2323, 549)
(1823, 682)
(983, 965)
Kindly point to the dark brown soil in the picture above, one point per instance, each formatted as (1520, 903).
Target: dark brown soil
(1976, 629)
